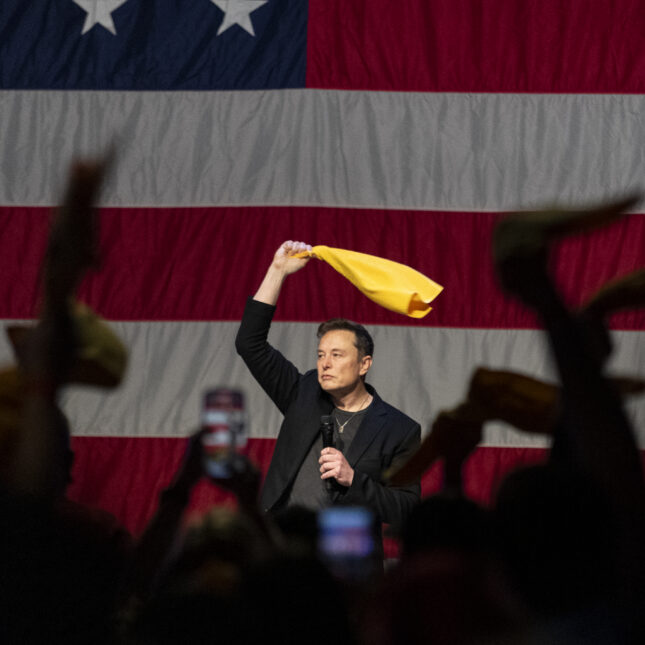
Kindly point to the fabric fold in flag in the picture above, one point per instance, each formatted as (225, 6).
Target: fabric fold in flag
(390, 284)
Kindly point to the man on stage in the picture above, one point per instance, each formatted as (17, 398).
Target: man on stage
(369, 434)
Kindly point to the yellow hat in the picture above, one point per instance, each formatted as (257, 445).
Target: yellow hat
(390, 284)
(101, 357)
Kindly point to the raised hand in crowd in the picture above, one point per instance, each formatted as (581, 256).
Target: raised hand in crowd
(61, 563)
(594, 447)
(163, 533)
(42, 458)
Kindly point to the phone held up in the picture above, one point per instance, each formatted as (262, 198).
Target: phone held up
(347, 542)
(223, 419)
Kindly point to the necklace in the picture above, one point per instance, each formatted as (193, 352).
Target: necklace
(341, 426)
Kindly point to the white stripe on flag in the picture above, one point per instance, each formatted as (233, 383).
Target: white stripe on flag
(480, 152)
(420, 370)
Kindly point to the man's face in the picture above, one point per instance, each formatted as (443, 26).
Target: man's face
(339, 367)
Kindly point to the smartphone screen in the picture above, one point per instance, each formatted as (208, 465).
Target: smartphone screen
(346, 541)
(224, 422)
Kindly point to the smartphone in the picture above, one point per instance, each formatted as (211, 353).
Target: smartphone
(223, 418)
(347, 541)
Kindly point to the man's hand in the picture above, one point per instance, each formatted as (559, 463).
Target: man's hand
(284, 260)
(284, 263)
(333, 464)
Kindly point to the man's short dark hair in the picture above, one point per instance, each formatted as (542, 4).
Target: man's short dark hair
(362, 339)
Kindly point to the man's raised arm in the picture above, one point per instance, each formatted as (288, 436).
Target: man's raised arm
(277, 376)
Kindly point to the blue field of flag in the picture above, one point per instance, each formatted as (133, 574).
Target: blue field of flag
(152, 44)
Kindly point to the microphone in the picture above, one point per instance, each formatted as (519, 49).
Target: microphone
(327, 430)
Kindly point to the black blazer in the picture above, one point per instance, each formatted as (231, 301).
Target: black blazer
(386, 436)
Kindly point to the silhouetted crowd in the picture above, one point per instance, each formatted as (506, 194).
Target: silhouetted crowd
(559, 557)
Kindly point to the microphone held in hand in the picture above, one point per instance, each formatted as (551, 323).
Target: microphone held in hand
(327, 430)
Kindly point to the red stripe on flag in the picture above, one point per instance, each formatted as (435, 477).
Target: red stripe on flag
(474, 46)
(125, 476)
(201, 263)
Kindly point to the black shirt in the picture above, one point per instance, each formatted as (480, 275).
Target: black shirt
(308, 489)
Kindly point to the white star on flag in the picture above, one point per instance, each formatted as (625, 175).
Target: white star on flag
(99, 12)
(237, 12)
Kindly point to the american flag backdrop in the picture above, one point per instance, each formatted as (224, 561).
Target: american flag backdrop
(401, 129)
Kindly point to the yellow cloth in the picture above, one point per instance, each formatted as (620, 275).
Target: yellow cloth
(390, 284)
